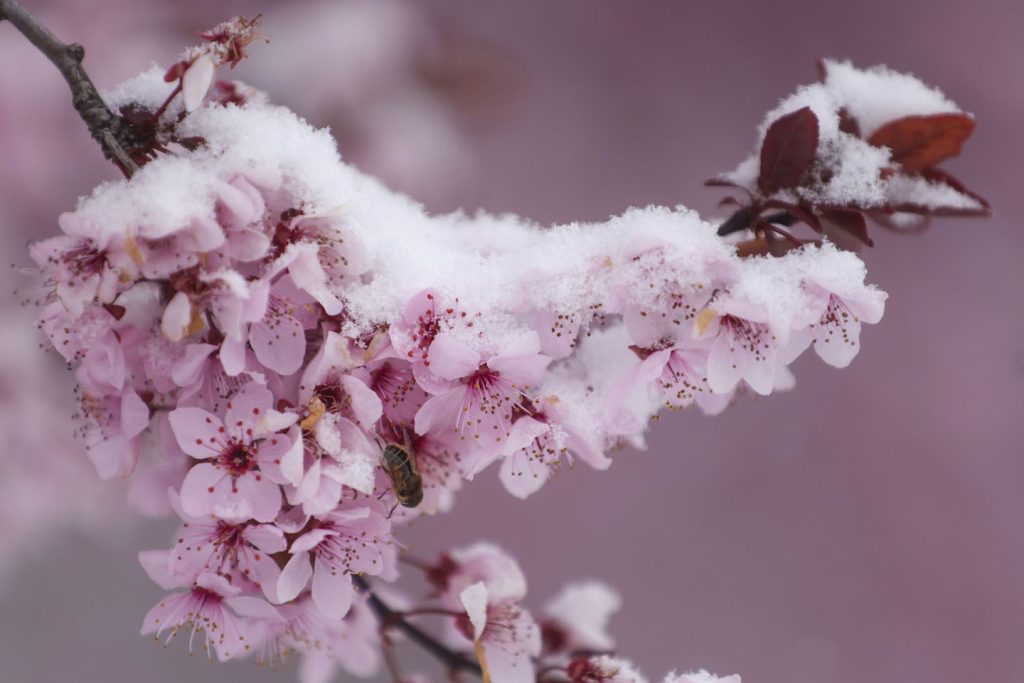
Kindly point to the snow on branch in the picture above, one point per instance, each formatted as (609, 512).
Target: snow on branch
(297, 362)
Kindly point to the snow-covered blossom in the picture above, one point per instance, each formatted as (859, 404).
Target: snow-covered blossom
(258, 323)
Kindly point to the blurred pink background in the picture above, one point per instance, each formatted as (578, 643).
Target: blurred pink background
(863, 527)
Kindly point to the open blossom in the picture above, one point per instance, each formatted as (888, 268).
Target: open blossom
(484, 394)
(346, 542)
(542, 438)
(245, 458)
(835, 323)
(504, 634)
(326, 644)
(240, 551)
(210, 606)
(576, 620)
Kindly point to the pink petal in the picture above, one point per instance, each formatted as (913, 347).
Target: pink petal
(510, 665)
(521, 370)
(474, 601)
(294, 577)
(196, 81)
(204, 487)
(134, 414)
(246, 409)
(557, 334)
(232, 356)
(366, 405)
(177, 317)
(279, 345)
(156, 565)
(727, 364)
(440, 412)
(255, 497)
(310, 540)
(332, 591)
(451, 359)
(270, 455)
(283, 467)
(188, 370)
(254, 608)
(165, 613)
(199, 433)
(521, 476)
(247, 244)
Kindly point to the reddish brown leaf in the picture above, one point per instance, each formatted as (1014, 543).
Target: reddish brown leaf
(849, 221)
(788, 150)
(919, 142)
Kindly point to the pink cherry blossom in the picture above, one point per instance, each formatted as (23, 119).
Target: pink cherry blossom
(241, 552)
(209, 607)
(344, 542)
(325, 644)
(504, 634)
(541, 439)
(835, 322)
(576, 619)
(243, 459)
(484, 395)
(741, 349)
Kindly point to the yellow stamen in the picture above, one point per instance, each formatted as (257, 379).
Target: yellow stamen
(314, 411)
(704, 319)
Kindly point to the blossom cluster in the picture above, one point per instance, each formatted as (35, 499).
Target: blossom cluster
(296, 362)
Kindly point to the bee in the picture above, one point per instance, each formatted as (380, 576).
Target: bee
(399, 463)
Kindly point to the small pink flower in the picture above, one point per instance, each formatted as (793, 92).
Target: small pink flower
(244, 459)
(240, 552)
(576, 620)
(401, 397)
(678, 374)
(342, 543)
(352, 643)
(504, 634)
(112, 431)
(833, 322)
(278, 339)
(422, 320)
(539, 442)
(480, 562)
(742, 348)
(484, 395)
(210, 606)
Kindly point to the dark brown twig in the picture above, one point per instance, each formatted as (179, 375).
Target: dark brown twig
(390, 618)
(104, 126)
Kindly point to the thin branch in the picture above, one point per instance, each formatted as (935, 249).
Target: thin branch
(389, 617)
(104, 126)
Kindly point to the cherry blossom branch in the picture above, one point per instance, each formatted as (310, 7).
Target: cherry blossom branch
(389, 617)
(104, 126)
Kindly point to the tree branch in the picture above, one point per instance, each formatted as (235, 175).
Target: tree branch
(105, 127)
(389, 617)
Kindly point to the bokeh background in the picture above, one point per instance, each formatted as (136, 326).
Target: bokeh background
(865, 526)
